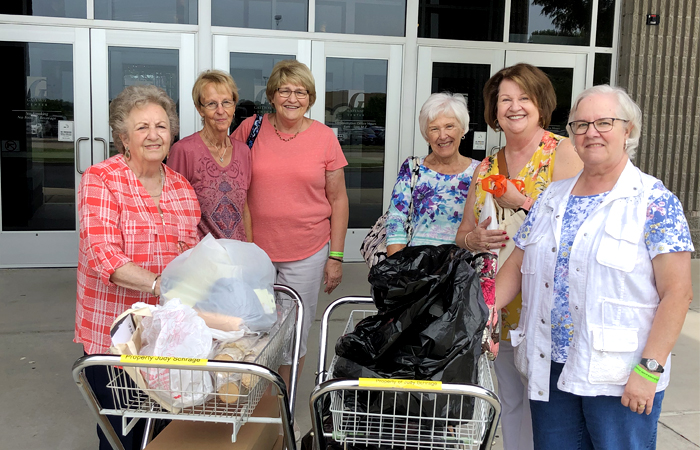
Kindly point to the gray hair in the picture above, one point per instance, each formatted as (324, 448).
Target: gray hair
(446, 103)
(626, 109)
(138, 96)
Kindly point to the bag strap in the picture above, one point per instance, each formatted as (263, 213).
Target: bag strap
(415, 174)
(254, 131)
(502, 164)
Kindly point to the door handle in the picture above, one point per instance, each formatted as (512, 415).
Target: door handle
(106, 147)
(77, 153)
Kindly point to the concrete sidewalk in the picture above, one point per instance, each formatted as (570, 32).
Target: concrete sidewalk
(41, 408)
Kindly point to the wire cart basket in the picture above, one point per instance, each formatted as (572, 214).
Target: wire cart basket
(234, 405)
(468, 422)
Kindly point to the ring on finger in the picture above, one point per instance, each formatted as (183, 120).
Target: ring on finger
(488, 246)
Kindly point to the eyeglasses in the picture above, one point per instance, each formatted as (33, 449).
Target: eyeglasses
(286, 93)
(227, 104)
(601, 125)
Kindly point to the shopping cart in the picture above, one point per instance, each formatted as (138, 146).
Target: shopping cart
(472, 414)
(235, 406)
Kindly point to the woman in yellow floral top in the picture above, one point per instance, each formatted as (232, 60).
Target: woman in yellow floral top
(519, 101)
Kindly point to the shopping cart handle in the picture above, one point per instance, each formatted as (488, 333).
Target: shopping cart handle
(321, 374)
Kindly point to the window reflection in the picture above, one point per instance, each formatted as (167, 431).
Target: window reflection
(251, 72)
(468, 20)
(36, 123)
(356, 111)
(265, 14)
(562, 22)
(384, 18)
(51, 8)
(602, 68)
(159, 11)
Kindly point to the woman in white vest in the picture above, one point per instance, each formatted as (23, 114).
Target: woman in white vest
(604, 262)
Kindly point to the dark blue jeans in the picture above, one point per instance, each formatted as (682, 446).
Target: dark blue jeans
(574, 422)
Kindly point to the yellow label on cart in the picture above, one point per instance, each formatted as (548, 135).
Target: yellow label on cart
(162, 360)
(401, 384)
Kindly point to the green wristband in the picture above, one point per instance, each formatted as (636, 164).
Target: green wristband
(337, 254)
(644, 373)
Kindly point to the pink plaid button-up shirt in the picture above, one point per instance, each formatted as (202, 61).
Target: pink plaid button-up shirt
(119, 223)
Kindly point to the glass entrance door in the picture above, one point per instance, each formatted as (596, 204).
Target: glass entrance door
(55, 124)
(42, 154)
(360, 84)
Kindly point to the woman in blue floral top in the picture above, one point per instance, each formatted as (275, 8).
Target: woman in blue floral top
(443, 181)
(604, 262)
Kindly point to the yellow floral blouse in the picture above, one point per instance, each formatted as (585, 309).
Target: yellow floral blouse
(537, 174)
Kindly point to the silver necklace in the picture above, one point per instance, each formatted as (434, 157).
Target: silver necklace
(218, 152)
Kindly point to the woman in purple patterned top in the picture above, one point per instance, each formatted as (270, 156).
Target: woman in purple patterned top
(217, 167)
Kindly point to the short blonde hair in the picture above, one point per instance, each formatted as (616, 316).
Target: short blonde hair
(219, 78)
(443, 103)
(138, 96)
(532, 81)
(293, 72)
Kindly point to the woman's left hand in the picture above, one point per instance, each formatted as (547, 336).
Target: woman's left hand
(511, 198)
(639, 394)
(332, 275)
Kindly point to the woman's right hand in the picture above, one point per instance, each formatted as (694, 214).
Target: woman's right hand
(481, 239)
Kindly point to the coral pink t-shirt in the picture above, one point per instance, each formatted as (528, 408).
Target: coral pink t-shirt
(287, 195)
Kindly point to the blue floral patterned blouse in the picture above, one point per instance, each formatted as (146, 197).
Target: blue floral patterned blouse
(437, 209)
(665, 230)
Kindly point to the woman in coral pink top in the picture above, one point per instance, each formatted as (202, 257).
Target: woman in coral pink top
(297, 197)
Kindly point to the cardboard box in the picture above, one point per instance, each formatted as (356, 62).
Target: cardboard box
(189, 435)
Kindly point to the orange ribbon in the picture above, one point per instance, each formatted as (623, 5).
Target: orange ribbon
(497, 184)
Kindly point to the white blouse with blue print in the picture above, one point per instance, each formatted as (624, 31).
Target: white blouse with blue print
(665, 231)
(438, 205)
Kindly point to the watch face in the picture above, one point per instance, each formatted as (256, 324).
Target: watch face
(652, 364)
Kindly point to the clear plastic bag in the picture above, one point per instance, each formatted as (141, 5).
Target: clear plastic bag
(176, 330)
(229, 282)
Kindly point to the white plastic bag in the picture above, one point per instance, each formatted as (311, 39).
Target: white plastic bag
(176, 330)
(229, 283)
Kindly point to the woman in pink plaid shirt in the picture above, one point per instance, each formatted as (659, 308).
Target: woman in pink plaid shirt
(136, 215)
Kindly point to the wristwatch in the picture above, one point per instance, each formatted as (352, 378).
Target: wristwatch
(652, 365)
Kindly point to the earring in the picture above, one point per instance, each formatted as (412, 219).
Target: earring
(464, 136)
(497, 126)
(127, 153)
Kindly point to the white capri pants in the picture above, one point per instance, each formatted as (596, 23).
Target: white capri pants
(304, 276)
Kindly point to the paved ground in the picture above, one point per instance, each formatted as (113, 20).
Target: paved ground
(40, 407)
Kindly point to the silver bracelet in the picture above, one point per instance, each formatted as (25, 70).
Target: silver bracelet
(155, 281)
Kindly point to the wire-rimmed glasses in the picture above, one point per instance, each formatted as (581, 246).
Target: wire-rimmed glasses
(286, 93)
(227, 104)
(601, 125)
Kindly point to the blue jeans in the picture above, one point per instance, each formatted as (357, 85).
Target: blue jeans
(574, 422)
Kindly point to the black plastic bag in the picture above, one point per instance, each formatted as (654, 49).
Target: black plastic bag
(429, 327)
